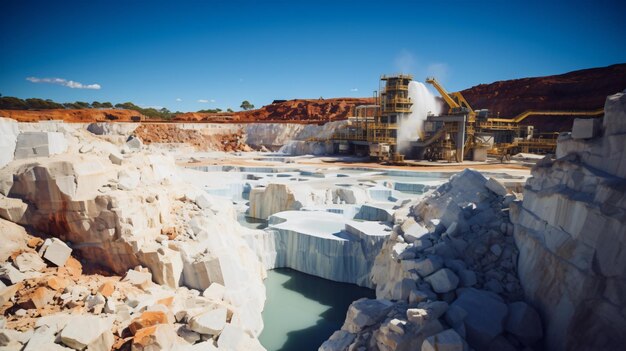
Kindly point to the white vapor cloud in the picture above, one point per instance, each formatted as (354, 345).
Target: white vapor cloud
(64, 82)
(179, 99)
(404, 61)
(204, 101)
(212, 100)
(440, 71)
(354, 89)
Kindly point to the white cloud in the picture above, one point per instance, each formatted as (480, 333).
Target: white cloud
(354, 89)
(438, 70)
(404, 61)
(179, 99)
(64, 82)
(206, 101)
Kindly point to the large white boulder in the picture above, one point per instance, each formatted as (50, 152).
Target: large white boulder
(88, 331)
(209, 323)
(40, 144)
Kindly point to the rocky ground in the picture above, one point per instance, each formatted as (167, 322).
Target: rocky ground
(294, 111)
(446, 278)
(171, 134)
(165, 266)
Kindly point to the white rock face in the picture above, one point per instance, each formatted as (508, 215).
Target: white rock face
(274, 198)
(8, 139)
(39, 144)
(570, 228)
(274, 135)
(327, 245)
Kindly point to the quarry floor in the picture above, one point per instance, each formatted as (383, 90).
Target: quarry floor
(301, 307)
(261, 159)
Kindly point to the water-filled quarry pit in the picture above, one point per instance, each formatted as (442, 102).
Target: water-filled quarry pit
(317, 231)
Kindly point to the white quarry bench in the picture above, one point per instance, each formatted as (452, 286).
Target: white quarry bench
(327, 245)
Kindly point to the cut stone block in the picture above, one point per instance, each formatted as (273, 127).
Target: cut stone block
(29, 261)
(495, 186)
(87, 331)
(39, 144)
(209, 323)
(55, 251)
(443, 281)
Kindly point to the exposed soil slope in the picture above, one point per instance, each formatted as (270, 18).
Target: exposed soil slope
(578, 90)
(81, 115)
(170, 133)
(298, 110)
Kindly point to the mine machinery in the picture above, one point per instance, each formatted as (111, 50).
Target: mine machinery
(459, 134)
(464, 133)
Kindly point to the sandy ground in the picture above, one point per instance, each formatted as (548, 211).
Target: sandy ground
(328, 162)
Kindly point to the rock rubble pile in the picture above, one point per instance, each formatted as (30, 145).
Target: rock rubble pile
(446, 278)
(166, 265)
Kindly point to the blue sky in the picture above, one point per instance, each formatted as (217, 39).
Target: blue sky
(190, 55)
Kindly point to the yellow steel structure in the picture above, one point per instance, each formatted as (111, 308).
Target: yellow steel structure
(458, 105)
(529, 113)
(455, 101)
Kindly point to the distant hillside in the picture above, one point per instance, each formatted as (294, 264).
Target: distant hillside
(586, 89)
(298, 110)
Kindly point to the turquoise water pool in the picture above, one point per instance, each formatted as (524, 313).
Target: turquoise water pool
(302, 310)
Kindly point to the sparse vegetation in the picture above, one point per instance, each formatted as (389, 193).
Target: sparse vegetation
(246, 105)
(14, 103)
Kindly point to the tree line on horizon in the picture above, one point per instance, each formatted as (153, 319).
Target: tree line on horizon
(14, 103)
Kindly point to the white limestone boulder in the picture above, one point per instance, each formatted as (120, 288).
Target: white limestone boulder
(40, 144)
(87, 331)
(443, 280)
(55, 251)
(495, 186)
(209, 323)
(365, 312)
(29, 261)
(12, 209)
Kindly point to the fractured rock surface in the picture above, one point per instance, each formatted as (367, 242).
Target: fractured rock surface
(448, 275)
(570, 230)
(124, 212)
